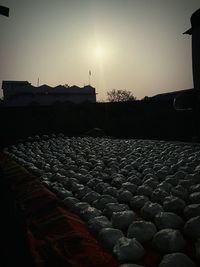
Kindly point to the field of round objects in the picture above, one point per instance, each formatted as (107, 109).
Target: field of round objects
(139, 198)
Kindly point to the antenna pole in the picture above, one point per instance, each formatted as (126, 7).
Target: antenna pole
(89, 76)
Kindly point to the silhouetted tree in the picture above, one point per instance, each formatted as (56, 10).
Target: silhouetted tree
(120, 96)
(145, 98)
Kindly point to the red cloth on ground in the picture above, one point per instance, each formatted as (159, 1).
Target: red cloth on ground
(57, 237)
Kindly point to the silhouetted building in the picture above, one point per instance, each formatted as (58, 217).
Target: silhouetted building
(195, 32)
(4, 11)
(169, 96)
(22, 93)
(182, 100)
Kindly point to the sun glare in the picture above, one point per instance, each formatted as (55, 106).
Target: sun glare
(99, 52)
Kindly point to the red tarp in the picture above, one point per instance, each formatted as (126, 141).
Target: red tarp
(56, 236)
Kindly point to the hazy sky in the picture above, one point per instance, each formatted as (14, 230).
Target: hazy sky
(136, 45)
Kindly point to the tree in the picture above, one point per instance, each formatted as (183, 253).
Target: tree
(120, 96)
(145, 98)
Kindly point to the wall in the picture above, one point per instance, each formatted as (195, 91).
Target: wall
(139, 119)
(49, 99)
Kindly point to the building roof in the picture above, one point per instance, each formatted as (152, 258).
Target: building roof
(47, 88)
(18, 83)
(170, 95)
(195, 21)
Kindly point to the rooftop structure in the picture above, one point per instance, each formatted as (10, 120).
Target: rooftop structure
(194, 31)
(22, 93)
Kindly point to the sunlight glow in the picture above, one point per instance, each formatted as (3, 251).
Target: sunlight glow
(100, 52)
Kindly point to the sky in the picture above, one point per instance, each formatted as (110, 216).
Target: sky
(135, 45)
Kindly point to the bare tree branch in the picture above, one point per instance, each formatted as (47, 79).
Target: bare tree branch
(120, 96)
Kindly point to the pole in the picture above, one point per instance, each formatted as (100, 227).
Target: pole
(89, 76)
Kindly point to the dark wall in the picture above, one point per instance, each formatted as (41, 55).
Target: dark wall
(139, 119)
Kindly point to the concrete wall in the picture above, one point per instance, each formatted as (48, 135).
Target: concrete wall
(45, 100)
(139, 119)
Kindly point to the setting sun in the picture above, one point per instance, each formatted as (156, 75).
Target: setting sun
(99, 52)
